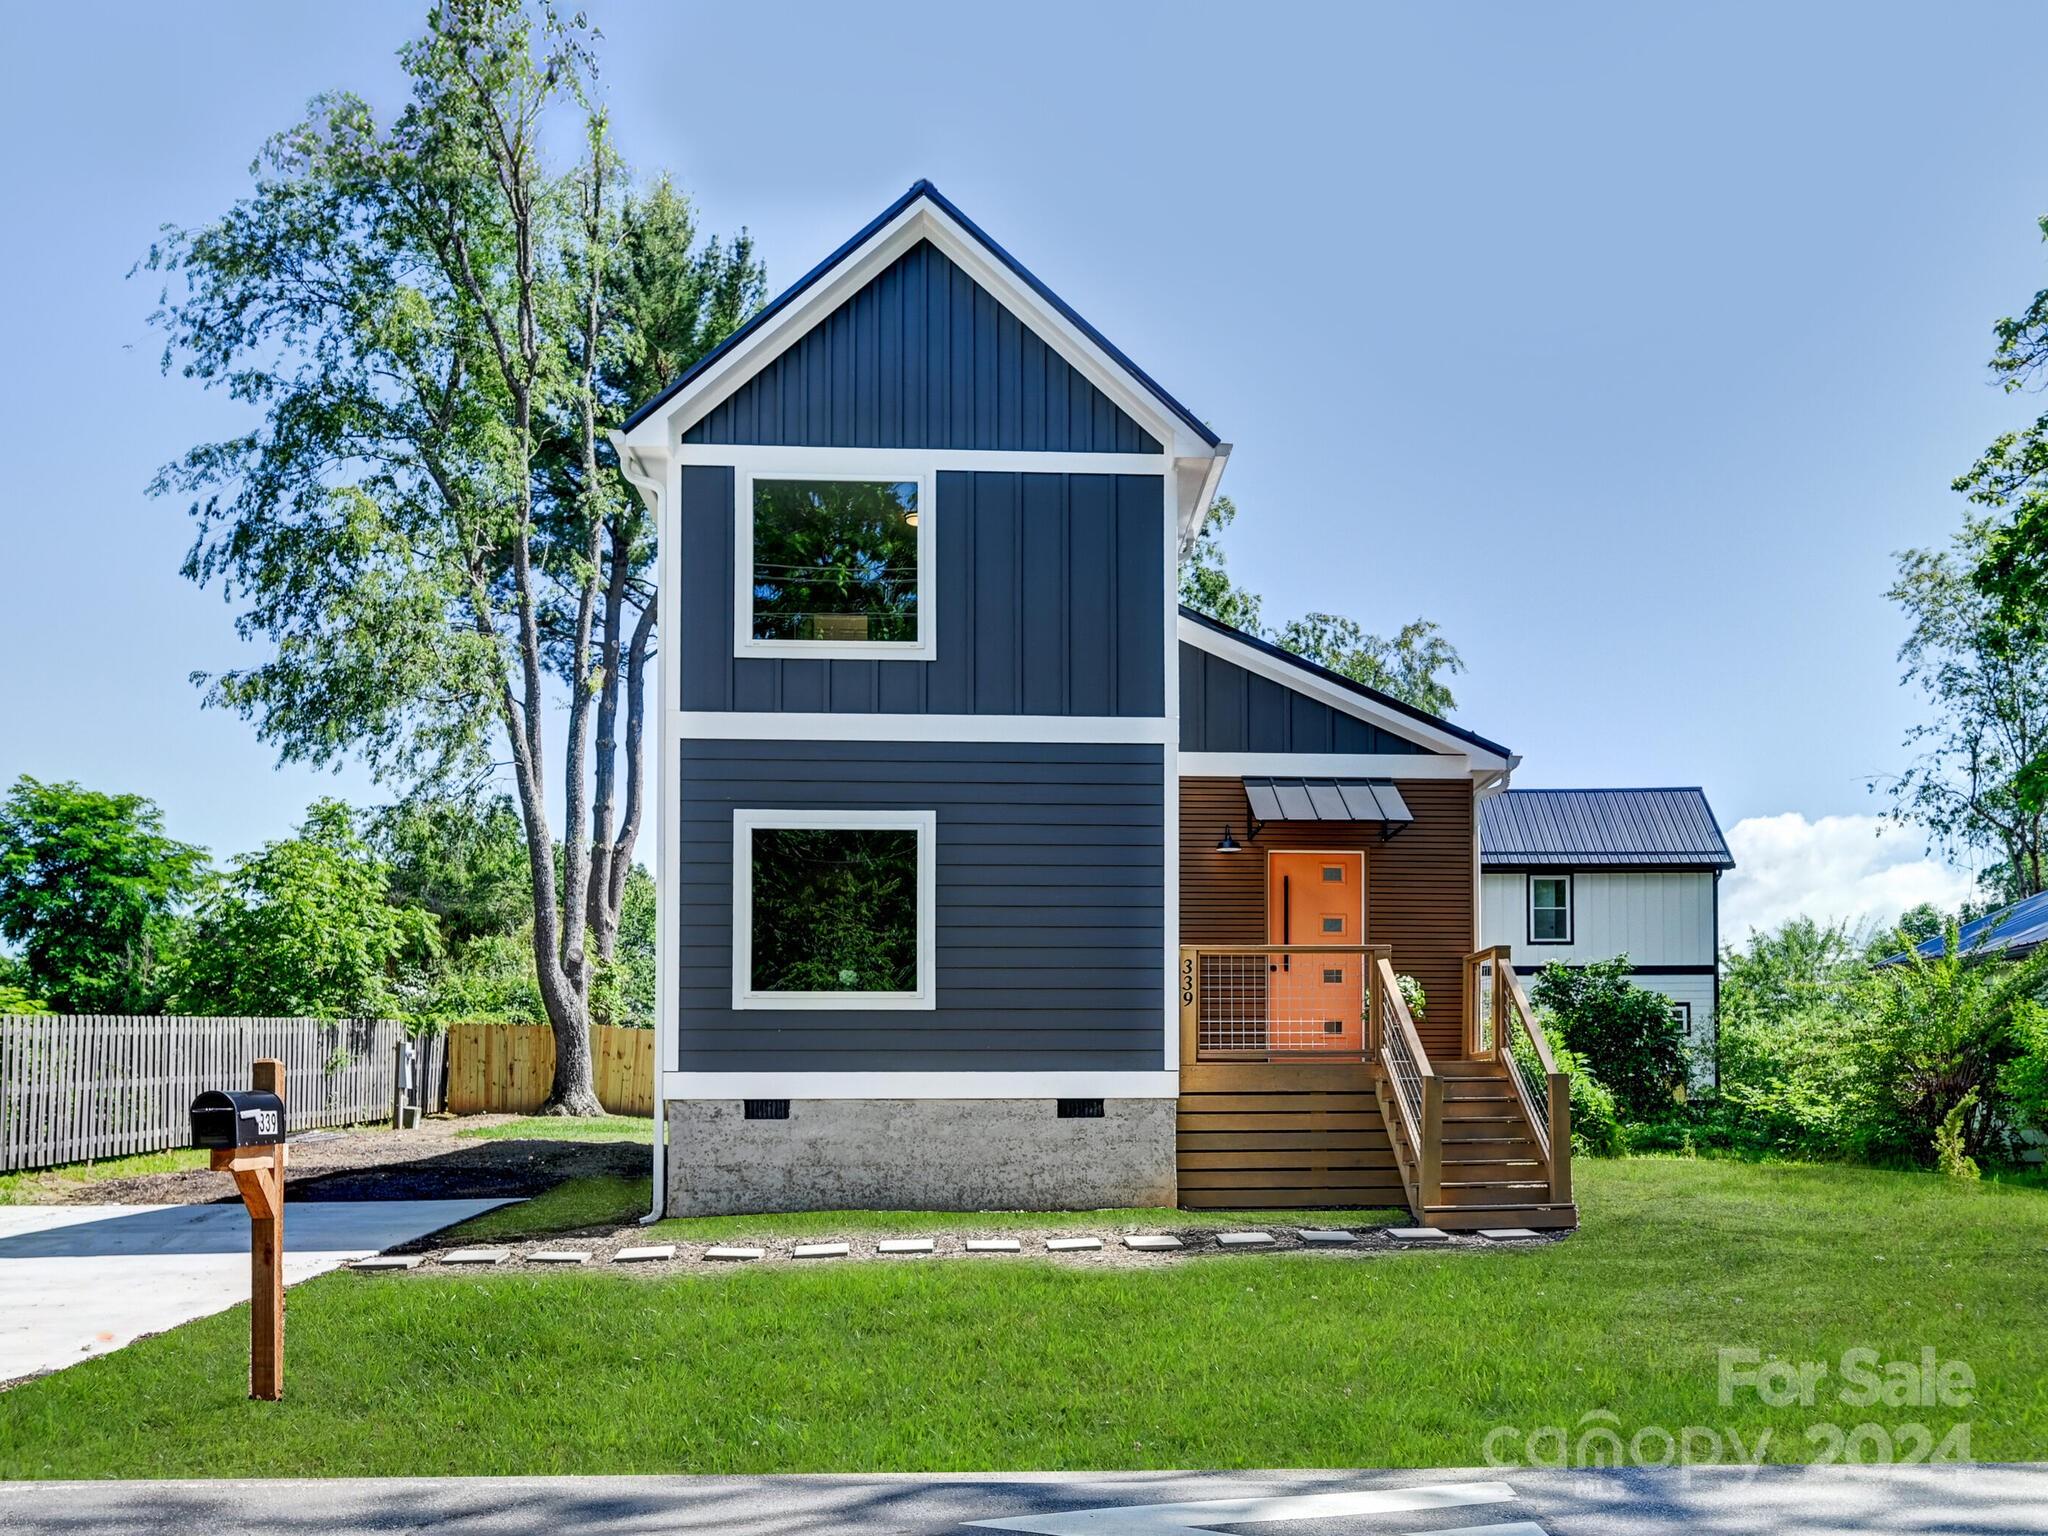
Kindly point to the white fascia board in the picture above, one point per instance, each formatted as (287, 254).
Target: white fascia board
(773, 458)
(1376, 765)
(733, 725)
(920, 1085)
(1299, 680)
(922, 220)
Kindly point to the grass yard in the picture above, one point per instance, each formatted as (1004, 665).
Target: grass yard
(561, 1128)
(32, 1187)
(1297, 1361)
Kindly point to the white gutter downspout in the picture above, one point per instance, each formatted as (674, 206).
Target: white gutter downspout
(650, 492)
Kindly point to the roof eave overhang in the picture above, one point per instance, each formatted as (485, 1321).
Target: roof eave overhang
(1196, 456)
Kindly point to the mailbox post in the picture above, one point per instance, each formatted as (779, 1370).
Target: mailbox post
(245, 1134)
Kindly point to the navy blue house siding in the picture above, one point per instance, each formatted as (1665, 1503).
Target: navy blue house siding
(1050, 595)
(923, 357)
(1224, 708)
(1050, 945)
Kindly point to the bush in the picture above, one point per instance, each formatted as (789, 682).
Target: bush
(1597, 1130)
(1623, 1032)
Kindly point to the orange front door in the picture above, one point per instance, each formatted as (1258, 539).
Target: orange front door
(1313, 1003)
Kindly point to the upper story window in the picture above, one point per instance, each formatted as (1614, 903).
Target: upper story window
(834, 565)
(1550, 909)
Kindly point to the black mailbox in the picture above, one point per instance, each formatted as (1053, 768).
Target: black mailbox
(242, 1118)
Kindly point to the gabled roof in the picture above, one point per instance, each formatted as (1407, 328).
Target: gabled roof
(926, 191)
(1667, 828)
(2012, 933)
(1385, 702)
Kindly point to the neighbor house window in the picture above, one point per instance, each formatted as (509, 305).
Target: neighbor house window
(1550, 909)
(835, 566)
(833, 909)
(1681, 1015)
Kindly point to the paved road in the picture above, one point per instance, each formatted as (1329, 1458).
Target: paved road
(79, 1280)
(1780, 1501)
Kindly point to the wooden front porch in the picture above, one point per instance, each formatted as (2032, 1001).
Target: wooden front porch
(1304, 1082)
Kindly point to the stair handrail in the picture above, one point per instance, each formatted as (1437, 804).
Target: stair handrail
(1418, 1092)
(1553, 1127)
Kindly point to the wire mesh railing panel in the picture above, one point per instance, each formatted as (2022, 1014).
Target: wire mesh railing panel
(1273, 1004)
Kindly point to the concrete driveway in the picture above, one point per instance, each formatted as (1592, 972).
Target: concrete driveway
(79, 1280)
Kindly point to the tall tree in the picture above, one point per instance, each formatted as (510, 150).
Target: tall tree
(1205, 583)
(428, 525)
(2010, 478)
(90, 888)
(1980, 782)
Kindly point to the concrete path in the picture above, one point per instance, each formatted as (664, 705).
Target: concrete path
(1782, 1501)
(79, 1280)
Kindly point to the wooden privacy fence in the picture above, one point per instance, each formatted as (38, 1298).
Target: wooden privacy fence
(80, 1086)
(507, 1068)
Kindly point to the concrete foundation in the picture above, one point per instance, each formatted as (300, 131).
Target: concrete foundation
(918, 1154)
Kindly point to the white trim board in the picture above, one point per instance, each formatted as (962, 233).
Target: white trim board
(746, 821)
(920, 1085)
(880, 463)
(1111, 730)
(1381, 765)
(1299, 680)
(746, 643)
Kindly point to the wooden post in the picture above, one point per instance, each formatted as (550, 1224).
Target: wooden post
(1560, 1139)
(1430, 1155)
(1190, 1006)
(259, 1175)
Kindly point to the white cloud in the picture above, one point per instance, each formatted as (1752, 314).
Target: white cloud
(1836, 867)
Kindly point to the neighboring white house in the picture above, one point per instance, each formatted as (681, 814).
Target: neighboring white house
(1577, 875)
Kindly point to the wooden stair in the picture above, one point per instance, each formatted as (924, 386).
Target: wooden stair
(1495, 1173)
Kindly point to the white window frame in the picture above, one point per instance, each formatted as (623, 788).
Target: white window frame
(923, 648)
(924, 823)
(1570, 920)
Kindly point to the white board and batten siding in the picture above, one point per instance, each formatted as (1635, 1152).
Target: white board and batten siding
(1654, 917)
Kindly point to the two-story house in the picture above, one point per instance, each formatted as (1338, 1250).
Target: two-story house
(989, 877)
(1573, 875)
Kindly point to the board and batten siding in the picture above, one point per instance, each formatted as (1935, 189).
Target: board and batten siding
(1418, 885)
(1224, 708)
(1049, 590)
(1653, 917)
(923, 357)
(1050, 942)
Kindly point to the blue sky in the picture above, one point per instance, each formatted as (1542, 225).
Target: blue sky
(1627, 342)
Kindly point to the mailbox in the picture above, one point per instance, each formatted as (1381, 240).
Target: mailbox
(240, 1118)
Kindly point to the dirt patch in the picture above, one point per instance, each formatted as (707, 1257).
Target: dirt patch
(428, 1163)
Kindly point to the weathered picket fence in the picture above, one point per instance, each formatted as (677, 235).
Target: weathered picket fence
(75, 1087)
(508, 1068)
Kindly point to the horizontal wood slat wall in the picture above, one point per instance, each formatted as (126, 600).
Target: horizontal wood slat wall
(508, 1068)
(79, 1087)
(1273, 1137)
(1418, 887)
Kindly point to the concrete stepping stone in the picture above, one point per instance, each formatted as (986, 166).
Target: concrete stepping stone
(820, 1251)
(1071, 1244)
(477, 1256)
(652, 1253)
(1324, 1237)
(994, 1245)
(388, 1261)
(1419, 1234)
(905, 1245)
(732, 1255)
(560, 1256)
(1245, 1240)
(1507, 1234)
(1154, 1243)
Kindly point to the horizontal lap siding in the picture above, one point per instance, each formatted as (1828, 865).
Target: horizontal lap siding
(1418, 887)
(1049, 601)
(1224, 708)
(923, 357)
(1049, 907)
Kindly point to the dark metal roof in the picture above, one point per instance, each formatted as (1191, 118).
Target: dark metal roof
(923, 189)
(1386, 700)
(1673, 828)
(2012, 932)
(1326, 800)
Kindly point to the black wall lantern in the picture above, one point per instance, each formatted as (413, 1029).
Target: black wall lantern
(1229, 844)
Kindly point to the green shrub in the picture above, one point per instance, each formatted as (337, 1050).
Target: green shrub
(1597, 1130)
(1623, 1032)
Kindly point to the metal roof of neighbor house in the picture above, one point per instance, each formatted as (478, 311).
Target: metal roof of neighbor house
(2013, 932)
(1672, 828)
(1387, 700)
(1023, 274)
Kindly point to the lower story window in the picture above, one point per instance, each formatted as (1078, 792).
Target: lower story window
(833, 909)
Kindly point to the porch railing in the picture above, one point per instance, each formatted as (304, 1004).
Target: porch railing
(1279, 1002)
(1501, 1026)
(1410, 1090)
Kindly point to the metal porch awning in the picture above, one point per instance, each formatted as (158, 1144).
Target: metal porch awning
(1328, 800)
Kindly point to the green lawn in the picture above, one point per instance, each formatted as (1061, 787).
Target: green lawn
(1302, 1361)
(561, 1128)
(26, 1188)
